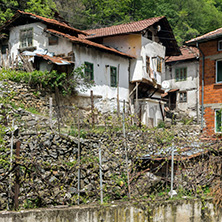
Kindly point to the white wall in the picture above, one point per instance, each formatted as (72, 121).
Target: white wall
(101, 63)
(191, 85)
(139, 47)
(40, 39)
(150, 109)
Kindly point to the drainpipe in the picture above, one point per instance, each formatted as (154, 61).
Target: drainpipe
(202, 87)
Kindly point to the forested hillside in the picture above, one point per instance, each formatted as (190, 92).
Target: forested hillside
(188, 18)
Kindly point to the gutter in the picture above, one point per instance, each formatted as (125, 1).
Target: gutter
(202, 87)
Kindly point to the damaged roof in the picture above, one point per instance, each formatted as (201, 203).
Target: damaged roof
(165, 33)
(88, 43)
(203, 38)
(55, 60)
(187, 53)
(26, 15)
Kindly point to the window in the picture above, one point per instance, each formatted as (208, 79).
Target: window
(159, 64)
(219, 71)
(53, 40)
(181, 74)
(113, 76)
(147, 64)
(26, 37)
(4, 47)
(219, 47)
(183, 97)
(218, 122)
(89, 71)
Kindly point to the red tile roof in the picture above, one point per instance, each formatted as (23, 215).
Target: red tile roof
(210, 35)
(123, 28)
(46, 20)
(187, 53)
(89, 43)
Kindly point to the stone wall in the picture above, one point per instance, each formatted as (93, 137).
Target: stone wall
(171, 211)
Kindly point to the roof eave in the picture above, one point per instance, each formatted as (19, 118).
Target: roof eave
(193, 43)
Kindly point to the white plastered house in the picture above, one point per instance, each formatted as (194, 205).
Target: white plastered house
(149, 41)
(127, 59)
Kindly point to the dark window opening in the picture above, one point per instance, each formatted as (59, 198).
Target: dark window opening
(183, 97)
(53, 40)
(113, 76)
(89, 71)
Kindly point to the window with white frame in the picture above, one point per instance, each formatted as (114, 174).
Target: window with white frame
(218, 122)
(26, 38)
(219, 71)
(219, 45)
(183, 97)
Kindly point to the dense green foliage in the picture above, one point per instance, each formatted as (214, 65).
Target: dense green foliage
(188, 18)
(40, 7)
(65, 83)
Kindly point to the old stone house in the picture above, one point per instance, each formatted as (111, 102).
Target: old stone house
(181, 81)
(210, 66)
(149, 41)
(125, 60)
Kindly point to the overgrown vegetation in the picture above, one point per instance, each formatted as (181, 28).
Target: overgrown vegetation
(65, 83)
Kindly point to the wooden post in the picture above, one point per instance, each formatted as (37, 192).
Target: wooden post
(16, 62)
(118, 107)
(92, 107)
(12, 61)
(79, 153)
(137, 103)
(7, 59)
(17, 174)
(50, 112)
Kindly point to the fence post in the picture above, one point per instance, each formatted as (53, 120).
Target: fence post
(11, 155)
(118, 106)
(79, 172)
(92, 107)
(17, 174)
(101, 174)
(50, 112)
(172, 162)
(124, 135)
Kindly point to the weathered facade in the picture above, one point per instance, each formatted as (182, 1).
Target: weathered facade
(126, 62)
(182, 80)
(55, 41)
(145, 41)
(210, 66)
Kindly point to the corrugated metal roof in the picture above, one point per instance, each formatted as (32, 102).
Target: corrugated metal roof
(87, 42)
(180, 153)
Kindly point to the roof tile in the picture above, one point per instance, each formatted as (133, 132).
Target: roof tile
(186, 53)
(87, 42)
(123, 28)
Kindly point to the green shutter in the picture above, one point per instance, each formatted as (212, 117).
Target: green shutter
(219, 71)
(218, 121)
